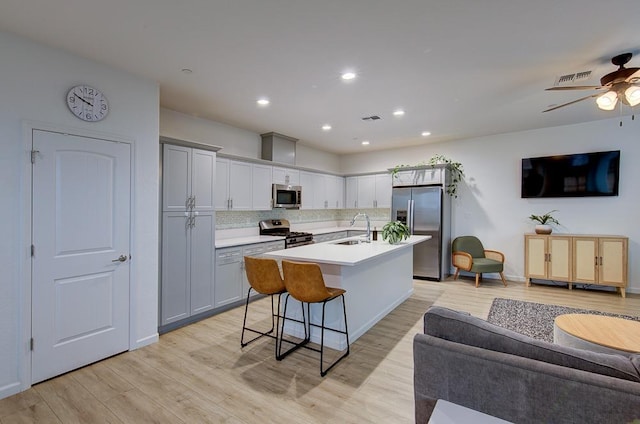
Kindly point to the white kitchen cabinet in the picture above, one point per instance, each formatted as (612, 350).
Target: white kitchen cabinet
(383, 191)
(188, 177)
(187, 264)
(228, 287)
(321, 191)
(285, 176)
(420, 176)
(368, 191)
(242, 186)
(231, 280)
(351, 192)
(261, 187)
(188, 232)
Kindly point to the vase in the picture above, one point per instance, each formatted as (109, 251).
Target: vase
(543, 229)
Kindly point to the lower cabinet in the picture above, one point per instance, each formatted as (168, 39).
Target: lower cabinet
(187, 265)
(598, 260)
(231, 281)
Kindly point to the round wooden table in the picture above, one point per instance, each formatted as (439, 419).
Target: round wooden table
(597, 333)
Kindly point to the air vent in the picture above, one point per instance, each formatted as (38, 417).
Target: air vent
(371, 118)
(570, 79)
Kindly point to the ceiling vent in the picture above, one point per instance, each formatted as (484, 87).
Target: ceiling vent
(279, 148)
(570, 79)
(371, 118)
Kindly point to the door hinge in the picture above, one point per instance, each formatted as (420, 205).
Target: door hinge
(33, 250)
(31, 344)
(33, 155)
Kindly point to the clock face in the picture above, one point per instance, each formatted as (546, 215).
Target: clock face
(87, 103)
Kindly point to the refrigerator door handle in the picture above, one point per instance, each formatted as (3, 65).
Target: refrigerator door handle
(410, 216)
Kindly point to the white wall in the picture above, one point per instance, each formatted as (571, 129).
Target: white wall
(237, 141)
(34, 80)
(489, 203)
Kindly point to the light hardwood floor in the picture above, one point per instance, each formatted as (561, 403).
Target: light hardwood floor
(200, 374)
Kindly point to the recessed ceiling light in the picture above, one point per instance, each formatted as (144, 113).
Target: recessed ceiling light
(348, 76)
(263, 102)
(365, 143)
(326, 127)
(398, 112)
(426, 133)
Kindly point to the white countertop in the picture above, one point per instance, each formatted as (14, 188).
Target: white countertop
(349, 255)
(251, 239)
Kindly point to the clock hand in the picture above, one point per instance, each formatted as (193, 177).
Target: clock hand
(78, 97)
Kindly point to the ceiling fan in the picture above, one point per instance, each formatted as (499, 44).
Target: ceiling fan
(622, 84)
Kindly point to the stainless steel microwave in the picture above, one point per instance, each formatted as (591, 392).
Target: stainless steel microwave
(286, 196)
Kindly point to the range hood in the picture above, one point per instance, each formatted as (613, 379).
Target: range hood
(279, 148)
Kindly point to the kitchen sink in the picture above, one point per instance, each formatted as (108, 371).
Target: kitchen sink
(349, 242)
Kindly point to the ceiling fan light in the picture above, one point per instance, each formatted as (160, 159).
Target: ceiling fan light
(608, 100)
(632, 94)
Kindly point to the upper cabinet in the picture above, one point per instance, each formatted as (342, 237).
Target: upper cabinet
(420, 176)
(368, 191)
(321, 191)
(242, 186)
(285, 176)
(261, 187)
(188, 179)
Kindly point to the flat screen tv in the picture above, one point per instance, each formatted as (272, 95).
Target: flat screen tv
(577, 175)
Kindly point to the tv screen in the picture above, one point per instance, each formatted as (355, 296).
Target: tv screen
(578, 175)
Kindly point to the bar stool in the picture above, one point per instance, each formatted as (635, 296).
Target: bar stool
(264, 277)
(304, 282)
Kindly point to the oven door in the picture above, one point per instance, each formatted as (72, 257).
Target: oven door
(286, 196)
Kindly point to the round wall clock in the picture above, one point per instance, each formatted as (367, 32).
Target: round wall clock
(87, 103)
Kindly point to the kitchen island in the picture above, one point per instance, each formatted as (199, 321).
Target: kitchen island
(377, 276)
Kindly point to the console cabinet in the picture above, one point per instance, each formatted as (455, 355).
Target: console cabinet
(585, 259)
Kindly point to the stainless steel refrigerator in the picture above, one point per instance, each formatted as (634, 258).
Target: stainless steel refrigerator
(427, 211)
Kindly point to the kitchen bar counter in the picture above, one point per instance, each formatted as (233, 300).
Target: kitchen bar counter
(377, 277)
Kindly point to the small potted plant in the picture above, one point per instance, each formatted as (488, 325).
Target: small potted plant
(543, 221)
(395, 231)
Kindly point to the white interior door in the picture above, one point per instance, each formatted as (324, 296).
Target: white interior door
(81, 230)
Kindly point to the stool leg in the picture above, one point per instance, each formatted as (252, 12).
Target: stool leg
(324, 372)
(244, 322)
(279, 355)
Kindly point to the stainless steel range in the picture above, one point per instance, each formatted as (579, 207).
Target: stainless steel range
(281, 227)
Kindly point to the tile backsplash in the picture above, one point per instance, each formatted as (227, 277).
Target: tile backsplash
(244, 219)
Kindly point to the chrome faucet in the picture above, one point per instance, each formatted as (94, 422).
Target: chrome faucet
(353, 220)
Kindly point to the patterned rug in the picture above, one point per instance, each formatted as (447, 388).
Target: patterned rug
(534, 319)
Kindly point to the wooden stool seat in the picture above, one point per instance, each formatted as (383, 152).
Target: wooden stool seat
(304, 282)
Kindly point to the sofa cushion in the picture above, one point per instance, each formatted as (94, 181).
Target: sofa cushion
(463, 328)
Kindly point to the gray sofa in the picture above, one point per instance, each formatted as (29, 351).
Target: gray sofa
(473, 363)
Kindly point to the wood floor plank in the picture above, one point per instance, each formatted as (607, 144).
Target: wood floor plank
(39, 413)
(199, 373)
(72, 403)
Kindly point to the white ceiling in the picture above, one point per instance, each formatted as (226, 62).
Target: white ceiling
(459, 68)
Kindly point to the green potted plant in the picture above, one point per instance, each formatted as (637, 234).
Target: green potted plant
(395, 231)
(543, 221)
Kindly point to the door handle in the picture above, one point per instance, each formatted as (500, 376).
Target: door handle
(121, 258)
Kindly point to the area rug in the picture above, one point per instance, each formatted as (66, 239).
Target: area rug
(534, 319)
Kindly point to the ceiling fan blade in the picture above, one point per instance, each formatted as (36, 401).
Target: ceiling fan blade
(570, 103)
(576, 87)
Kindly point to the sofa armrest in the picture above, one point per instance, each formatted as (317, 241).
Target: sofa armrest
(514, 388)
